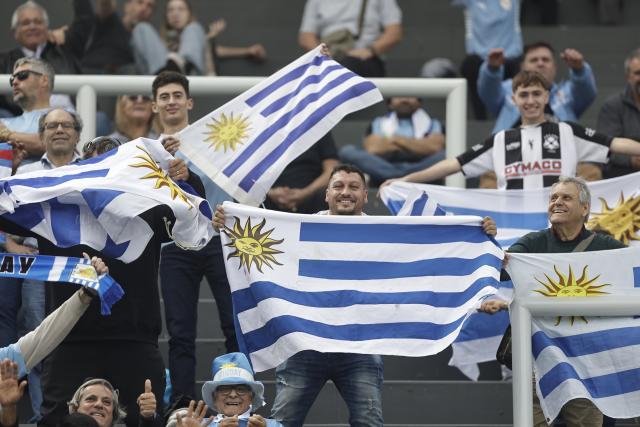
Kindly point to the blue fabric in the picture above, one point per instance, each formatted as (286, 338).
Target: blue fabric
(12, 352)
(358, 378)
(243, 423)
(492, 24)
(568, 99)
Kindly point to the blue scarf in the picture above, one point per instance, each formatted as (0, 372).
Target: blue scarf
(62, 269)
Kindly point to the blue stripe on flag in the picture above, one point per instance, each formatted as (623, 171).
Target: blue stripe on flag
(601, 386)
(636, 277)
(65, 223)
(529, 220)
(114, 250)
(283, 325)
(587, 343)
(418, 205)
(318, 114)
(68, 269)
(27, 217)
(313, 79)
(372, 270)
(290, 76)
(394, 206)
(483, 325)
(390, 233)
(97, 199)
(248, 298)
(98, 159)
(52, 181)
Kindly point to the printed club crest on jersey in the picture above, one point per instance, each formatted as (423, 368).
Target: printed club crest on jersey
(551, 142)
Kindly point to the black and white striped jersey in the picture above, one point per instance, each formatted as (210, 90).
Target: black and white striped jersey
(535, 156)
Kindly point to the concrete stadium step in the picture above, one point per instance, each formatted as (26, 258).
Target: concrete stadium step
(428, 402)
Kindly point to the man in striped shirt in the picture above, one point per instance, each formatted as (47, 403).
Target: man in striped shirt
(537, 153)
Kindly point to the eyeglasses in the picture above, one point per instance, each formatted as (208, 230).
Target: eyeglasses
(22, 75)
(55, 125)
(102, 144)
(143, 98)
(240, 389)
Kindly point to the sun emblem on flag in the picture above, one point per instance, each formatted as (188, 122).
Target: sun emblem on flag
(621, 222)
(161, 177)
(227, 132)
(252, 245)
(569, 286)
(84, 272)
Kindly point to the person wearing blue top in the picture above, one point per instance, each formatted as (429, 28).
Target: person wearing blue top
(568, 99)
(181, 271)
(489, 24)
(234, 393)
(403, 141)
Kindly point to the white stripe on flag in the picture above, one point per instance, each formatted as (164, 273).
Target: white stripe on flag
(57, 268)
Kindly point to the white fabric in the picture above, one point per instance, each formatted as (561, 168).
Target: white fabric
(420, 120)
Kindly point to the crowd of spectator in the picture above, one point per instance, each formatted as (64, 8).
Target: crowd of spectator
(509, 82)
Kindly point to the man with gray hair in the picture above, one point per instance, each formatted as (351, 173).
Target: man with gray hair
(30, 26)
(568, 211)
(59, 132)
(620, 116)
(31, 83)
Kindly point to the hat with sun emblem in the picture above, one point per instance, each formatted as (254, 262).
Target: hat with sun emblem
(230, 369)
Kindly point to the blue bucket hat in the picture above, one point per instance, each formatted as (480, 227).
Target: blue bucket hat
(231, 369)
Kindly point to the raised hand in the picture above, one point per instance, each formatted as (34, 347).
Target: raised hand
(10, 390)
(147, 401)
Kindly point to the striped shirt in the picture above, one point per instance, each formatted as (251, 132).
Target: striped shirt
(535, 156)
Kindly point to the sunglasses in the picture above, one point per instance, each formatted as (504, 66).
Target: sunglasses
(240, 389)
(143, 98)
(22, 76)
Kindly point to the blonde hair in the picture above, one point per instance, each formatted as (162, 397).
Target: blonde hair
(123, 122)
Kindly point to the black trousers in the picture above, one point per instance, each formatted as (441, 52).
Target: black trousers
(125, 364)
(181, 273)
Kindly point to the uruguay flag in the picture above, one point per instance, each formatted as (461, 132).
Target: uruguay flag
(97, 202)
(615, 206)
(596, 358)
(355, 284)
(245, 144)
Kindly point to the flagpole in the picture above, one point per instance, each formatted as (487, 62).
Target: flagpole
(522, 366)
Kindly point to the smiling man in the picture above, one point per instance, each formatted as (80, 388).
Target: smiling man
(98, 399)
(537, 153)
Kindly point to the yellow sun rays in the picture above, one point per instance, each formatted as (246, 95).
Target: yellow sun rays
(253, 247)
(161, 177)
(227, 132)
(569, 286)
(621, 222)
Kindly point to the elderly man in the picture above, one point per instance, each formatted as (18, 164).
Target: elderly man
(567, 99)
(30, 25)
(19, 358)
(568, 211)
(234, 394)
(59, 131)
(620, 116)
(31, 82)
(535, 154)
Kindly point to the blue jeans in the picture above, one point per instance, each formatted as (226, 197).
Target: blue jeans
(358, 378)
(181, 273)
(24, 297)
(381, 169)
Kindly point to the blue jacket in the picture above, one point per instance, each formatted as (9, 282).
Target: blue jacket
(568, 99)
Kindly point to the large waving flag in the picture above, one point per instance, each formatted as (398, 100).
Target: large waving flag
(97, 202)
(245, 144)
(615, 206)
(583, 357)
(373, 285)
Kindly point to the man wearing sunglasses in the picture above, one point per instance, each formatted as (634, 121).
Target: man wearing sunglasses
(31, 83)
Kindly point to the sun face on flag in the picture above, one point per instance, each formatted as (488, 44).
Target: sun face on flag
(251, 245)
(621, 221)
(569, 286)
(84, 272)
(227, 132)
(161, 177)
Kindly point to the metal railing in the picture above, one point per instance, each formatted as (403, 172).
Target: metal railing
(86, 88)
(521, 311)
